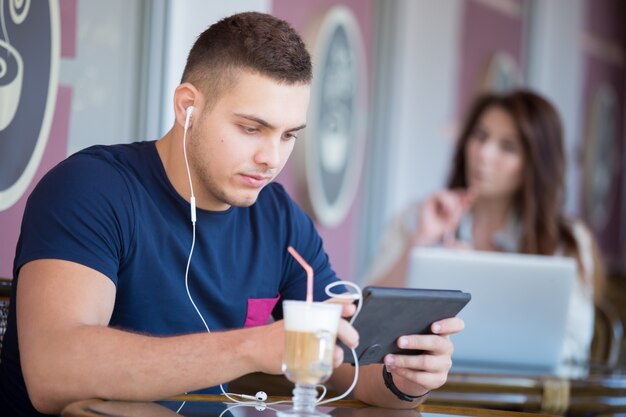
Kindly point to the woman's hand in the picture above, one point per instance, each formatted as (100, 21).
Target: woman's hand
(439, 216)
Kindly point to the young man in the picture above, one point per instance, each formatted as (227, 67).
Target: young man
(100, 301)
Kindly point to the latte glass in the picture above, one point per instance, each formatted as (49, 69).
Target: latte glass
(310, 334)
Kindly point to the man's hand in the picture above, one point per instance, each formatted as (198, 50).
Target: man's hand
(270, 345)
(272, 340)
(417, 374)
(346, 333)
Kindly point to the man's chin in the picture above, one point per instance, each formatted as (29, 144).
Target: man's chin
(244, 201)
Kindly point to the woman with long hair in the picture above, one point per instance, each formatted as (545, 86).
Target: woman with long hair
(505, 193)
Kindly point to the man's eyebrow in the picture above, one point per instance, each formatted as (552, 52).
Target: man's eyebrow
(265, 123)
(295, 129)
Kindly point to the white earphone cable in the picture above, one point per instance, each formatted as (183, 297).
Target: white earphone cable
(358, 296)
(192, 202)
(351, 296)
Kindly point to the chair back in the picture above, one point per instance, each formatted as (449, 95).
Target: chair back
(607, 335)
(5, 296)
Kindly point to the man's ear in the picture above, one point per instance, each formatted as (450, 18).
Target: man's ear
(185, 95)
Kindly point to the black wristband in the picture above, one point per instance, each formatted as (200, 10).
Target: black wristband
(392, 387)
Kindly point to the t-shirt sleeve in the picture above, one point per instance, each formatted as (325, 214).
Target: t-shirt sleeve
(81, 212)
(304, 238)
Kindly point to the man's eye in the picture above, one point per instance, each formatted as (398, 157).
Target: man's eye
(250, 130)
(290, 136)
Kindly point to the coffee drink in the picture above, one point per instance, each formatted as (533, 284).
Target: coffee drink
(310, 333)
(308, 357)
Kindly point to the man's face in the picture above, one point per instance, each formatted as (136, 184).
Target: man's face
(243, 142)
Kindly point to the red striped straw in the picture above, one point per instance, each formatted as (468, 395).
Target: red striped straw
(309, 273)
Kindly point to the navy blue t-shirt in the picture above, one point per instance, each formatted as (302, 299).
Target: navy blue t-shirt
(113, 209)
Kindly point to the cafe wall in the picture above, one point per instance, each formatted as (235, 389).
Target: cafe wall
(108, 66)
(563, 49)
(415, 67)
(35, 105)
(602, 147)
(332, 172)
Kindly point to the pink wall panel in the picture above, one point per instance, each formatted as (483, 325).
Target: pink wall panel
(484, 32)
(68, 10)
(606, 18)
(604, 22)
(340, 242)
(598, 73)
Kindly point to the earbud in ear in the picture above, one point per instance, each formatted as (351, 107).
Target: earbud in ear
(192, 200)
(189, 111)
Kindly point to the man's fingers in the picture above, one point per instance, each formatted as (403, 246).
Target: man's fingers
(448, 326)
(337, 356)
(424, 362)
(348, 307)
(347, 334)
(427, 342)
(427, 380)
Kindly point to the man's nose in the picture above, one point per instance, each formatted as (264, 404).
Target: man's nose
(268, 153)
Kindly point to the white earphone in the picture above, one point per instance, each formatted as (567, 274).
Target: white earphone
(192, 199)
(260, 396)
(189, 111)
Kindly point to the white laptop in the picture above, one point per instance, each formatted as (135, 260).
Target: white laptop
(515, 322)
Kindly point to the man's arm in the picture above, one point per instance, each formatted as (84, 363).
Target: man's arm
(68, 353)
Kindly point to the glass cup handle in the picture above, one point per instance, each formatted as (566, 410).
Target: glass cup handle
(325, 343)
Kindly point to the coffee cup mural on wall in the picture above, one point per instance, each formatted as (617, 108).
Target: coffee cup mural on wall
(11, 78)
(29, 64)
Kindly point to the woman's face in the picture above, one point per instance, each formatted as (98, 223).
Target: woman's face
(494, 156)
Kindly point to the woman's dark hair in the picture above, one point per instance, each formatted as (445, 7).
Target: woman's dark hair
(539, 202)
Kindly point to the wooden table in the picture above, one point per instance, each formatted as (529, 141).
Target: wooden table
(592, 395)
(212, 406)
(600, 392)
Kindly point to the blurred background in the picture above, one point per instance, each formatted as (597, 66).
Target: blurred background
(407, 69)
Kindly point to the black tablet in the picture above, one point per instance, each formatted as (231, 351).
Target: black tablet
(389, 313)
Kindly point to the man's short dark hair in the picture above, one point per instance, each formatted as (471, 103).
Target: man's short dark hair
(251, 41)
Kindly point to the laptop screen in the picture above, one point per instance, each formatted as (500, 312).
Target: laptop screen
(517, 317)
